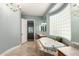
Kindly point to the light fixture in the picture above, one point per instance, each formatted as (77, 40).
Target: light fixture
(14, 7)
(75, 5)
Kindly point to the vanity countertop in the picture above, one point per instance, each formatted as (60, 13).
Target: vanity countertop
(40, 34)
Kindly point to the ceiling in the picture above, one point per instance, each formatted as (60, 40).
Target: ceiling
(34, 9)
(40, 9)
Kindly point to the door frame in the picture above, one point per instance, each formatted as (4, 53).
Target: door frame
(21, 30)
(34, 25)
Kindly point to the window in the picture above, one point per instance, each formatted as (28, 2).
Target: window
(60, 24)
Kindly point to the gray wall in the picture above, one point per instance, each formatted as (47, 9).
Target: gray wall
(75, 28)
(9, 28)
(38, 21)
(75, 23)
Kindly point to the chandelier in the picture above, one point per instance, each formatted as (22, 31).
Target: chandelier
(14, 7)
(75, 4)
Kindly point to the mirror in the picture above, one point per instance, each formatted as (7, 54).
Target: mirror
(43, 27)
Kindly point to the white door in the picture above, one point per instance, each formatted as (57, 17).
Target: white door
(24, 30)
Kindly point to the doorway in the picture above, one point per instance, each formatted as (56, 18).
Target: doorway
(30, 30)
(27, 30)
